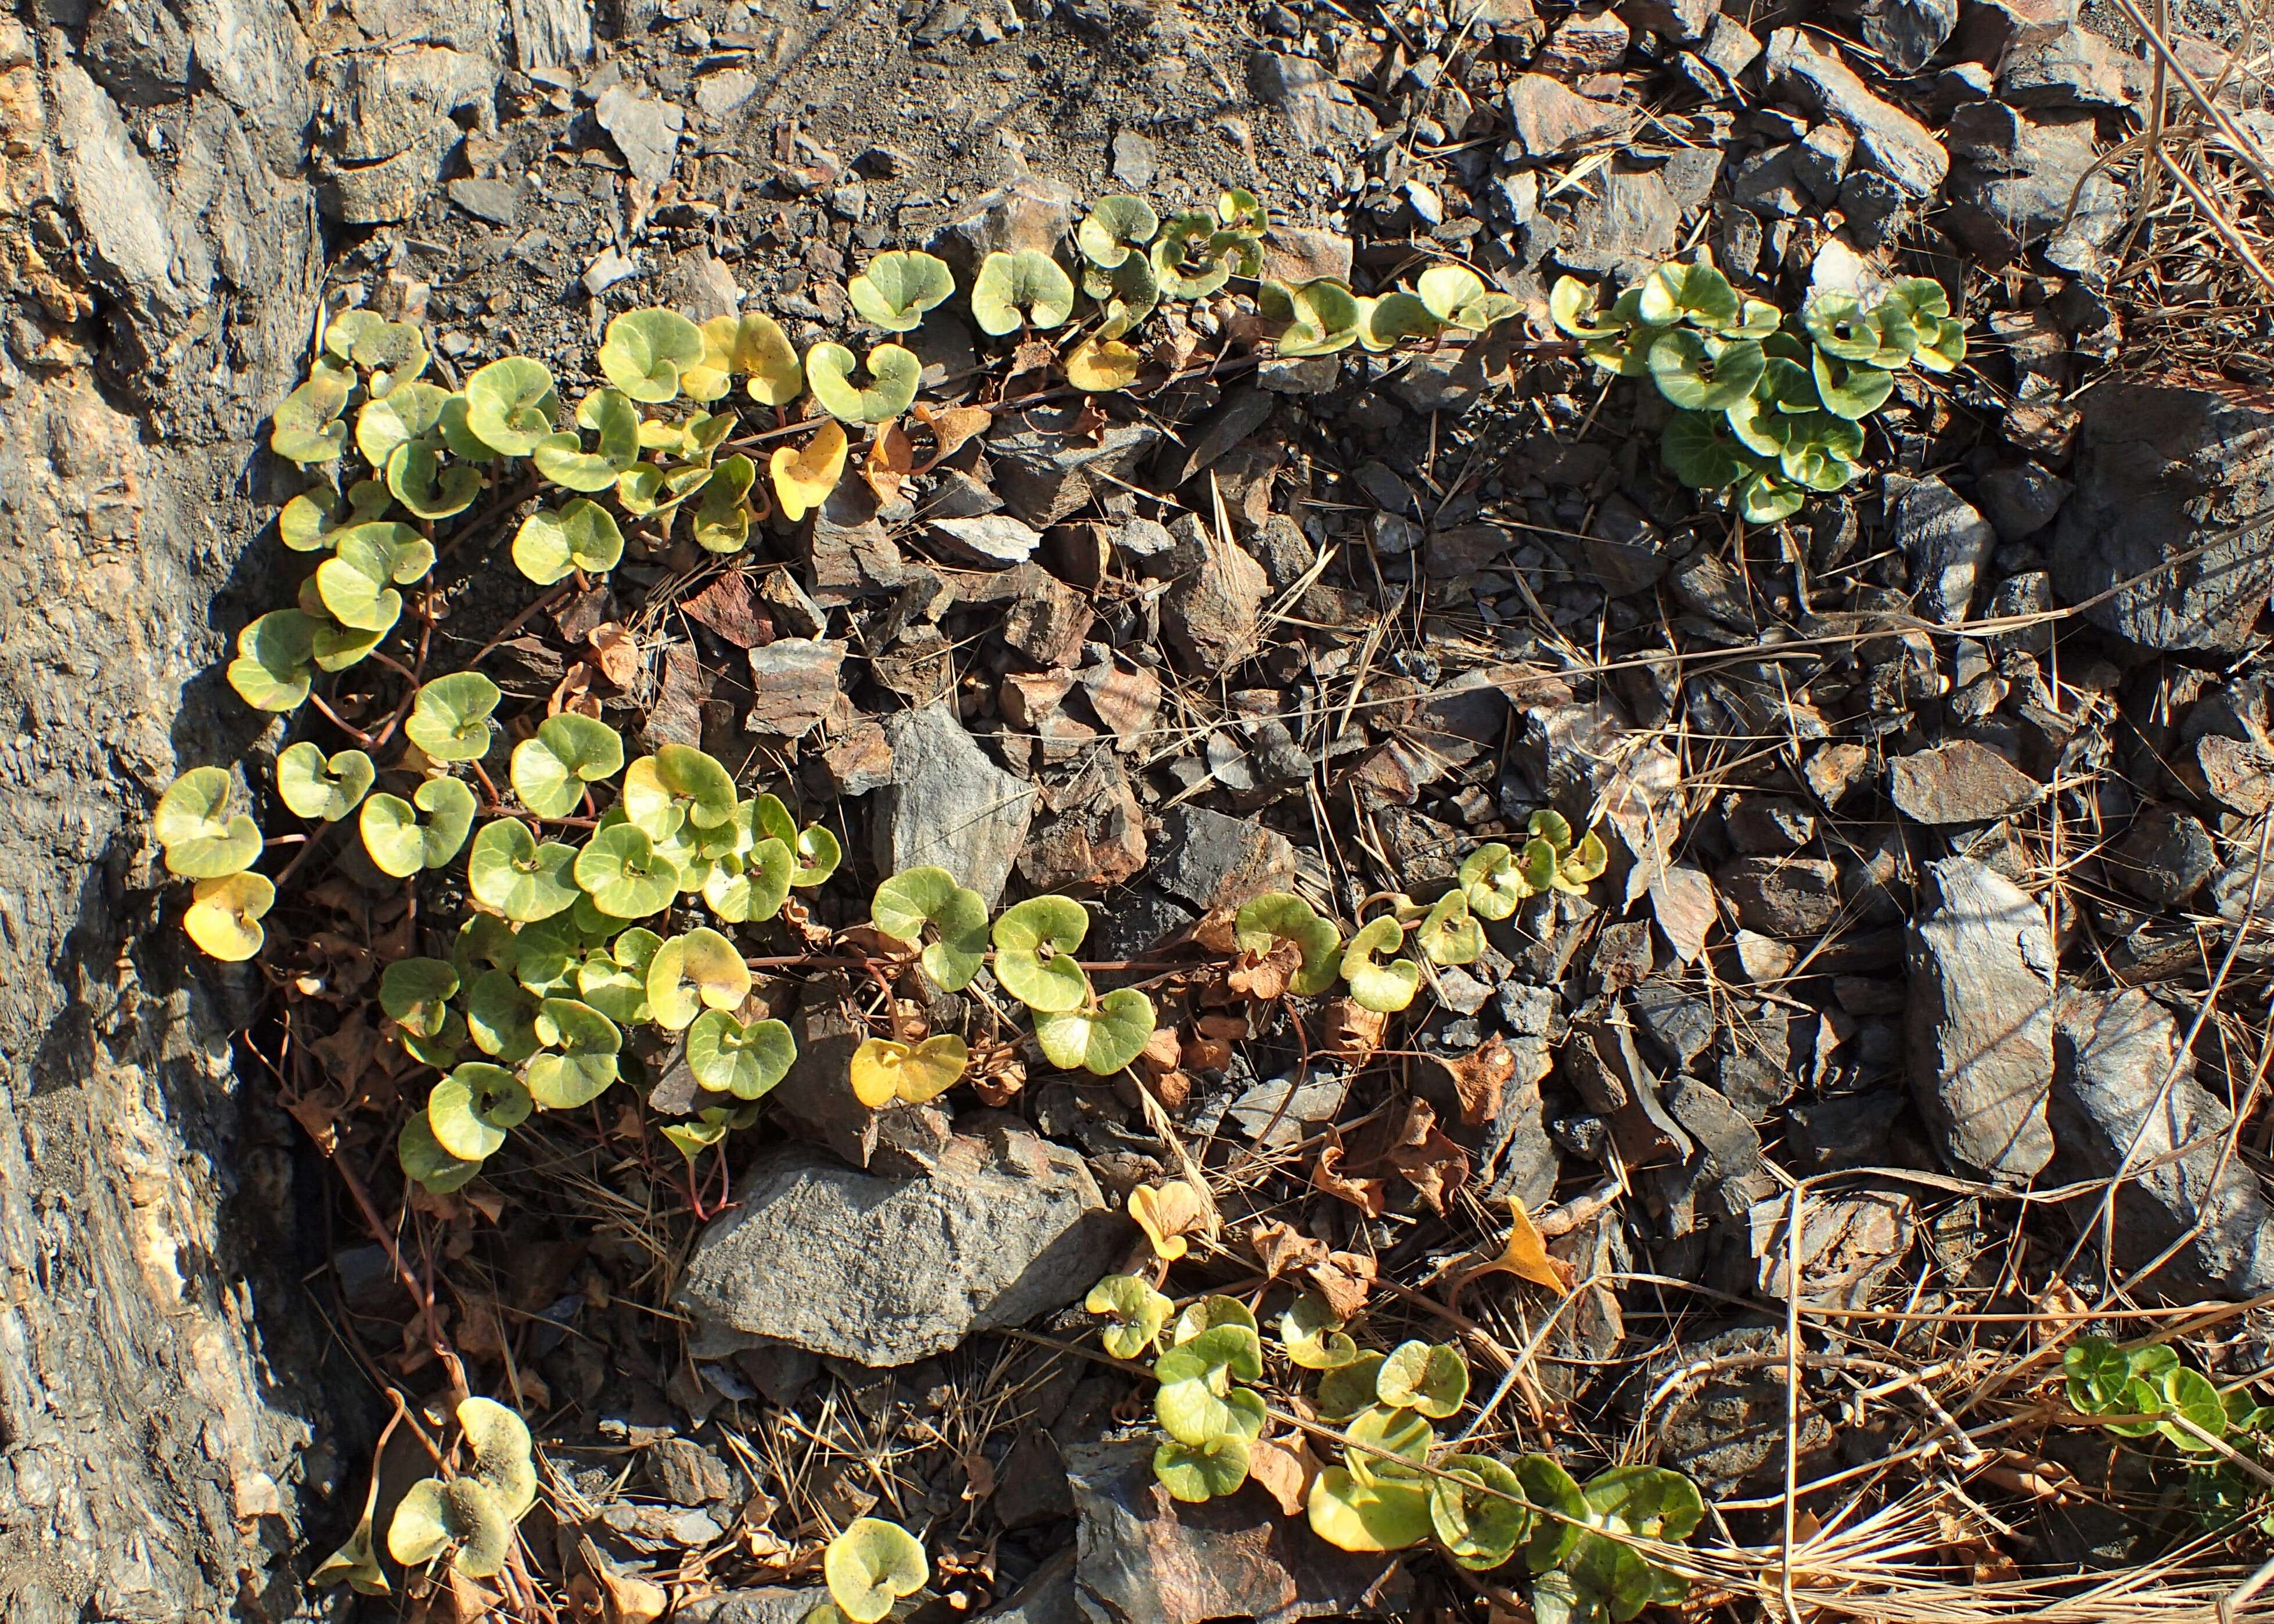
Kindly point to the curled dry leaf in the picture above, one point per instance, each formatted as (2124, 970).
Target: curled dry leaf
(1167, 1214)
(616, 652)
(891, 460)
(1279, 1246)
(1264, 977)
(1366, 1194)
(1285, 1468)
(1344, 1280)
(1425, 1158)
(1478, 1077)
(1353, 1032)
(950, 428)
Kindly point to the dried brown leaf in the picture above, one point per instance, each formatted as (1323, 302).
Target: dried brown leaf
(1478, 1077)
(1425, 1158)
(616, 652)
(1344, 1280)
(1280, 1247)
(1353, 1032)
(891, 458)
(1285, 1468)
(950, 428)
(1366, 1194)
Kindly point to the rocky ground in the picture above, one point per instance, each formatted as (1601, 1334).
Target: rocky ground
(1935, 926)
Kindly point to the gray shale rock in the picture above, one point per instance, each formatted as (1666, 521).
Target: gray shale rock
(948, 804)
(2161, 471)
(2013, 174)
(1888, 140)
(1980, 1025)
(888, 1271)
(1948, 546)
(176, 1438)
(2111, 1110)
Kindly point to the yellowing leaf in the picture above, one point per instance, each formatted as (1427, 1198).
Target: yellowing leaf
(224, 916)
(803, 479)
(884, 1070)
(1100, 365)
(1525, 1256)
(1167, 1214)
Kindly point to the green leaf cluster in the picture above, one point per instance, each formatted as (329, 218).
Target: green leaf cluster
(1323, 316)
(1497, 878)
(1770, 407)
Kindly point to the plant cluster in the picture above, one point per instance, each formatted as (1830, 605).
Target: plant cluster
(464, 1520)
(2146, 1392)
(566, 944)
(603, 893)
(1394, 1489)
(1769, 406)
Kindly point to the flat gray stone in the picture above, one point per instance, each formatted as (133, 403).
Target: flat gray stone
(986, 541)
(2113, 1055)
(2012, 179)
(497, 201)
(644, 129)
(1980, 1025)
(792, 685)
(887, 1271)
(949, 805)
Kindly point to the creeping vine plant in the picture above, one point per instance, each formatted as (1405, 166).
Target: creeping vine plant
(1395, 1487)
(1770, 406)
(606, 893)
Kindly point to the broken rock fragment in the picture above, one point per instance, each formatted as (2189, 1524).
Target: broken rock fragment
(792, 685)
(1979, 1024)
(1961, 782)
(948, 804)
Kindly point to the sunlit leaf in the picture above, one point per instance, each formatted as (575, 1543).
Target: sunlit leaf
(1384, 988)
(644, 350)
(450, 719)
(692, 973)
(1137, 1312)
(1102, 1040)
(872, 1565)
(203, 838)
(1114, 227)
(884, 1070)
(400, 844)
(507, 871)
(1099, 366)
(552, 769)
(804, 477)
(1026, 288)
(728, 1057)
(471, 1109)
(224, 916)
(925, 906)
(510, 405)
(1389, 1515)
(577, 535)
(894, 374)
(579, 1059)
(896, 288)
